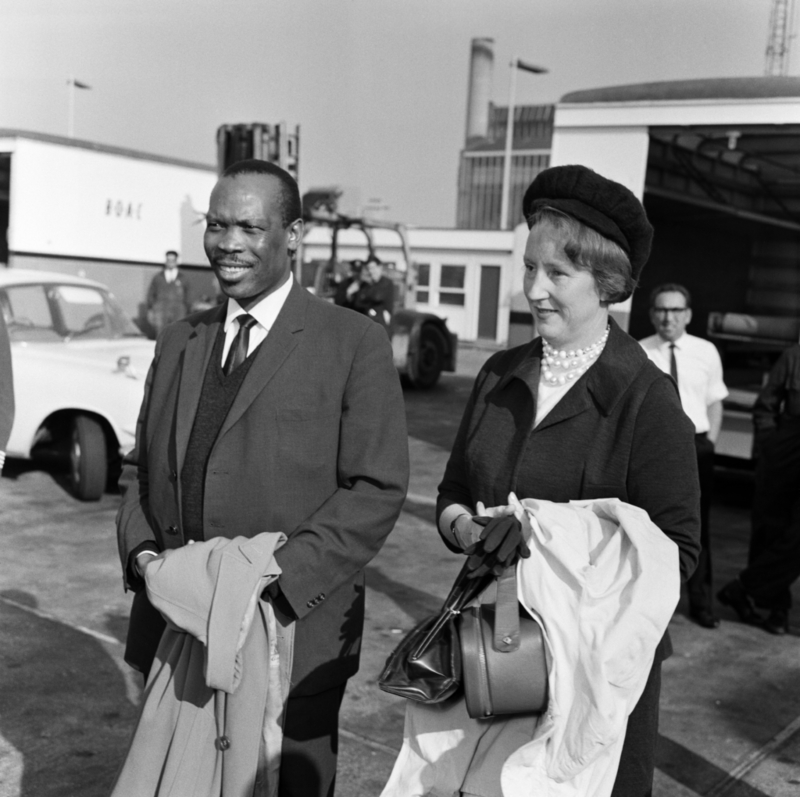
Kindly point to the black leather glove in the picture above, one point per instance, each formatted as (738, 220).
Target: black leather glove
(501, 544)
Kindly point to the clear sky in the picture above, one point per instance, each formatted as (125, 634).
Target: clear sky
(378, 86)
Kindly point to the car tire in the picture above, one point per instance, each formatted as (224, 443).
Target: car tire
(428, 362)
(88, 460)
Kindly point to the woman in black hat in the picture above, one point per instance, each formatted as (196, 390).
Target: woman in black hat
(580, 412)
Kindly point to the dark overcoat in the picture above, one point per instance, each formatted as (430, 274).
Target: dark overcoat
(314, 445)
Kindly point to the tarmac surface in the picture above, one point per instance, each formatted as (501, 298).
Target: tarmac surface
(730, 708)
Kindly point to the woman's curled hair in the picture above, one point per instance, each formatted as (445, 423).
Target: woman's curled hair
(587, 250)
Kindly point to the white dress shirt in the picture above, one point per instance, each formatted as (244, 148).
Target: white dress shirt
(699, 373)
(265, 312)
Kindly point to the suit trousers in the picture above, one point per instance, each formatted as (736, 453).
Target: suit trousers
(700, 586)
(774, 560)
(638, 761)
(311, 744)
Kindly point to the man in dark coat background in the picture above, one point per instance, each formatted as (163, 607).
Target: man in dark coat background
(276, 411)
(168, 295)
(373, 293)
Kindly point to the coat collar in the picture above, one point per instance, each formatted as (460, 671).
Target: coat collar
(605, 382)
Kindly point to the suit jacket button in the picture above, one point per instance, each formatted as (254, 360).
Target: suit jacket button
(223, 742)
(173, 475)
(172, 530)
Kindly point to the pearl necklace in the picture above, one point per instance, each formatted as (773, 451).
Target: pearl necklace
(572, 364)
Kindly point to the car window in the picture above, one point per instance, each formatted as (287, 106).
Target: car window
(82, 311)
(90, 313)
(28, 314)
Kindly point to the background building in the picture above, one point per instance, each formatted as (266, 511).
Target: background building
(480, 172)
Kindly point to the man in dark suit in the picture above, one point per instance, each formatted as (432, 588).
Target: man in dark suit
(276, 411)
(168, 295)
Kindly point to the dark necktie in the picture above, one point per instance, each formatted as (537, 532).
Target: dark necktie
(673, 365)
(238, 353)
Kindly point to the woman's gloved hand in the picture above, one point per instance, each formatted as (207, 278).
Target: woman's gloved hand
(500, 545)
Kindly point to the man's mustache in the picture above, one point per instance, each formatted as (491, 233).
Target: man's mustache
(228, 262)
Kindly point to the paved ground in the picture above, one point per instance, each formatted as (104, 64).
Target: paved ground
(730, 722)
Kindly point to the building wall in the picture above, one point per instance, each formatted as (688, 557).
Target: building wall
(480, 173)
(449, 270)
(480, 180)
(76, 202)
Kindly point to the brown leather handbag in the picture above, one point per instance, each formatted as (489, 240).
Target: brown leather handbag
(503, 665)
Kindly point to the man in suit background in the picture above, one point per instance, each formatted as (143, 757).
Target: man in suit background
(168, 295)
(276, 411)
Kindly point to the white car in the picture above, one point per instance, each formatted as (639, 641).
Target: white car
(79, 371)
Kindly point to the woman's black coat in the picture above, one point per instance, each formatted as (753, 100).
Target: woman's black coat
(619, 432)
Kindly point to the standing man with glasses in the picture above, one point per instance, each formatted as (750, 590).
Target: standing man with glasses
(694, 363)
(274, 412)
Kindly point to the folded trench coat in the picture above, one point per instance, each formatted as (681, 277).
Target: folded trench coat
(212, 713)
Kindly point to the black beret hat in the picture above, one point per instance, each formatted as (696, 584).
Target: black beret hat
(607, 207)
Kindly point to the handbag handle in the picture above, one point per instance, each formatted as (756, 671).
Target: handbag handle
(506, 613)
(464, 590)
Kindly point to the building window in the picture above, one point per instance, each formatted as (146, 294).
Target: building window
(423, 281)
(451, 285)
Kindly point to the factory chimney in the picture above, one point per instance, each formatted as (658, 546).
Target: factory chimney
(481, 65)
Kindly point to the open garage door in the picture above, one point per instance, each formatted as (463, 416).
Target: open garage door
(725, 203)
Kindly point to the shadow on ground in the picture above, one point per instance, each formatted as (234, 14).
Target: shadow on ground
(65, 709)
(434, 415)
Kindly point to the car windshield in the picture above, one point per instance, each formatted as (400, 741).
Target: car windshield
(53, 312)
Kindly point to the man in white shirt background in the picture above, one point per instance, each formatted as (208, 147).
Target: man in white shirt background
(695, 365)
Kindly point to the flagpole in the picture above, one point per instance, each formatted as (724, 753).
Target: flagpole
(504, 200)
(71, 112)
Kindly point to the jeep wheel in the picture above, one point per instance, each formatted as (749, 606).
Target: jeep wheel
(429, 360)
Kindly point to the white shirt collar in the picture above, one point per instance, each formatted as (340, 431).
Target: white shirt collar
(665, 344)
(265, 312)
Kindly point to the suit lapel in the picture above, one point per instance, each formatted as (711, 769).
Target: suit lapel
(193, 371)
(282, 338)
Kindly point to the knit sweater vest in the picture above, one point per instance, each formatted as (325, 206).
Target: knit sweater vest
(216, 397)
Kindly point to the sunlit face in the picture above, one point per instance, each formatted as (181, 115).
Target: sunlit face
(246, 243)
(670, 315)
(171, 261)
(563, 299)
